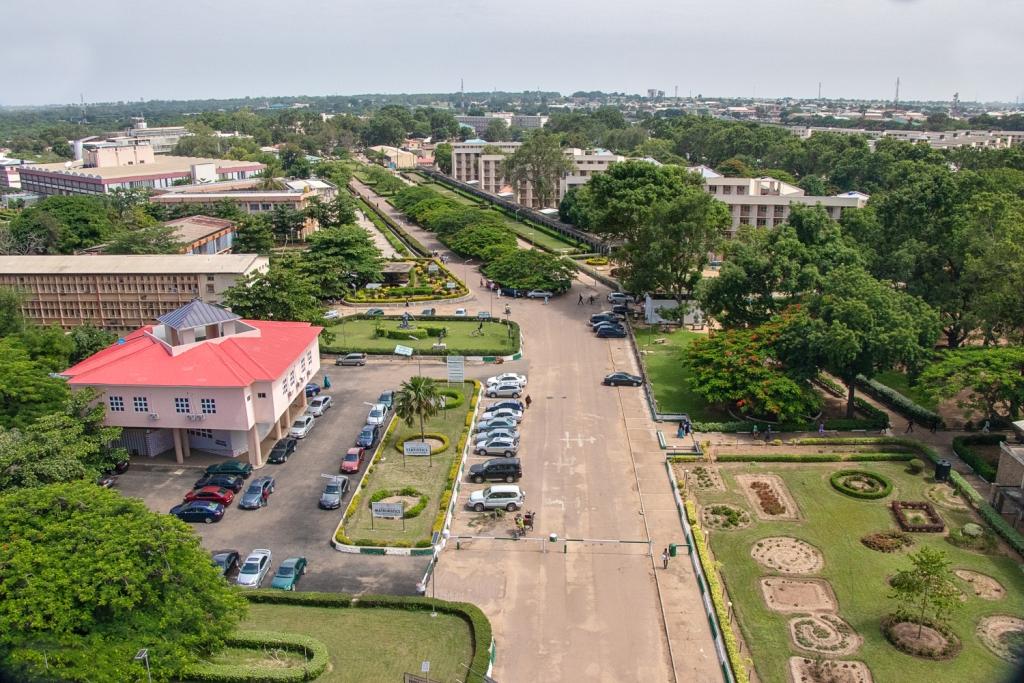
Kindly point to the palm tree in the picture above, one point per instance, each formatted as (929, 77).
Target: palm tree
(417, 398)
(269, 180)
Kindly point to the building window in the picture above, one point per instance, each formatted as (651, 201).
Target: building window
(141, 404)
(181, 405)
(116, 404)
(201, 433)
(261, 394)
(208, 405)
(209, 289)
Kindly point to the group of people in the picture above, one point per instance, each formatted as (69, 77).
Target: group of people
(590, 300)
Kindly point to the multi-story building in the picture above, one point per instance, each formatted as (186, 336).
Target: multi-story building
(10, 175)
(203, 234)
(765, 202)
(396, 159)
(586, 164)
(106, 166)
(995, 139)
(203, 378)
(470, 163)
(479, 123)
(120, 292)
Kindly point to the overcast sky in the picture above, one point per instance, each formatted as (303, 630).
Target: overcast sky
(184, 49)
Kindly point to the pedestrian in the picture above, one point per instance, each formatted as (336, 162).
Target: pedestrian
(910, 427)
(664, 558)
(591, 299)
(935, 426)
(754, 432)
(481, 282)
(545, 301)
(407, 303)
(821, 429)
(768, 434)
(580, 302)
(528, 401)
(986, 427)
(327, 382)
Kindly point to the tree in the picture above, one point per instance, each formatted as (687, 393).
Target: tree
(383, 129)
(53, 449)
(417, 399)
(294, 161)
(339, 211)
(531, 269)
(443, 157)
(926, 591)
(11, 319)
(78, 606)
(497, 131)
(540, 162)
(253, 236)
(987, 380)
(87, 340)
(286, 222)
(340, 259)
(482, 241)
(47, 345)
(125, 201)
(278, 294)
(154, 238)
(60, 224)
(735, 168)
(26, 389)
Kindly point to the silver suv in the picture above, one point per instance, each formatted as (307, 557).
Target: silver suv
(505, 390)
(497, 446)
(500, 496)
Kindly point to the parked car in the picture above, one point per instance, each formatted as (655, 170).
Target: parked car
(353, 460)
(368, 436)
(496, 469)
(428, 312)
(119, 468)
(496, 446)
(216, 494)
(228, 481)
(483, 315)
(461, 312)
(377, 415)
(282, 450)
(508, 413)
(199, 511)
(257, 494)
(620, 298)
(289, 573)
(334, 491)
(351, 359)
(621, 309)
(512, 404)
(375, 312)
(254, 569)
(608, 325)
(619, 378)
(332, 315)
(511, 434)
(507, 496)
(539, 294)
(611, 333)
(511, 389)
(496, 423)
(387, 398)
(312, 389)
(512, 292)
(602, 318)
(506, 377)
(235, 467)
(227, 561)
(319, 405)
(302, 426)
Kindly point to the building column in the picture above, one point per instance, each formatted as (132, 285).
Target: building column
(278, 431)
(176, 434)
(255, 456)
(305, 401)
(186, 447)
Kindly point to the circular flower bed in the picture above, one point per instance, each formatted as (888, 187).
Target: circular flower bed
(409, 492)
(452, 398)
(934, 642)
(433, 436)
(597, 261)
(861, 484)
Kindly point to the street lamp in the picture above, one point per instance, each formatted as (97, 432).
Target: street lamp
(143, 655)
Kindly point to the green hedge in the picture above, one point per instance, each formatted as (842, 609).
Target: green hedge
(452, 399)
(898, 402)
(382, 227)
(838, 485)
(815, 457)
(413, 243)
(874, 421)
(479, 625)
(831, 386)
(962, 447)
(316, 653)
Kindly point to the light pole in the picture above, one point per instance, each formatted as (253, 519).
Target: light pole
(143, 655)
(466, 273)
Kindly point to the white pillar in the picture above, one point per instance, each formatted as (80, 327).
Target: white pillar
(255, 456)
(178, 456)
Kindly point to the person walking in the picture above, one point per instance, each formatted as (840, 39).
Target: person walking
(768, 434)
(580, 302)
(910, 427)
(821, 429)
(545, 301)
(591, 299)
(664, 558)
(987, 427)
(935, 426)
(528, 401)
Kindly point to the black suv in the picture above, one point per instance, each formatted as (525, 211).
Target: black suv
(496, 469)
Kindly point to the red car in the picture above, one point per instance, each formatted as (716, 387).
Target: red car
(216, 494)
(353, 460)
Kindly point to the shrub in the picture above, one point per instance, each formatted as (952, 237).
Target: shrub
(830, 386)
(898, 402)
(962, 447)
(812, 457)
(915, 466)
(434, 450)
(453, 399)
(876, 485)
(887, 541)
(316, 653)
(597, 261)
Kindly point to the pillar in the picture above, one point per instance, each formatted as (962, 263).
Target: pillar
(255, 456)
(278, 431)
(185, 446)
(176, 433)
(305, 401)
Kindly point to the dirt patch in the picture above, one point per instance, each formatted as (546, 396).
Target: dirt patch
(946, 496)
(983, 586)
(409, 501)
(725, 517)
(824, 633)
(769, 496)
(798, 595)
(803, 670)
(787, 555)
(700, 477)
(1004, 636)
(920, 640)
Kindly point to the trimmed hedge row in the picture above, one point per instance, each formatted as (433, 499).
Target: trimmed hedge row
(815, 457)
(898, 402)
(831, 386)
(837, 483)
(732, 649)
(479, 625)
(316, 653)
(962, 447)
(413, 243)
(382, 227)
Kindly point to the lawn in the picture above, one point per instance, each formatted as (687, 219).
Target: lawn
(672, 390)
(373, 644)
(427, 475)
(358, 334)
(899, 381)
(857, 574)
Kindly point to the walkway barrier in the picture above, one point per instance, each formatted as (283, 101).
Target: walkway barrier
(661, 440)
(553, 542)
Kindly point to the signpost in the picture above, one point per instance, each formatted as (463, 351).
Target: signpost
(456, 369)
(403, 350)
(418, 448)
(388, 511)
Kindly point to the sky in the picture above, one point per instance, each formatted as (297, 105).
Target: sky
(111, 50)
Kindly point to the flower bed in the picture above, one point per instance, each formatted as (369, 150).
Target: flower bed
(434, 450)
(887, 541)
(917, 516)
(423, 286)
(408, 491)
(861, 484)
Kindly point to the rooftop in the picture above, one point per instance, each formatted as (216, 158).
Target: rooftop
(193, 228)
(164, 164)
(103, 264)
(197, 313)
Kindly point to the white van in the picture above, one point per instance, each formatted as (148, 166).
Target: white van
(507, 496)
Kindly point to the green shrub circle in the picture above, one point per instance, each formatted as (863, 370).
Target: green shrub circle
(453, 398)
(414, 511)
(597, 261)
(399, 444)
(839, 483)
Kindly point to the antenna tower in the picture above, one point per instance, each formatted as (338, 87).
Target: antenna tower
(896, 102)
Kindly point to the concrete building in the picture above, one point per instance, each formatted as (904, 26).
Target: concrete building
(995, 139)
(471, 165)
(396, 159)
(120, 292)
(587, 164)
(203, 234)
(10, 175)
(524, 121)
(106, 166)
(203, 378)
(765, 202)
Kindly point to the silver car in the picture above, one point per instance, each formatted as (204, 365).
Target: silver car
(319, 405)
(506, 413)
(500, 496)
(502, 446)
(254, 569)
(335, 490)
(487, 426)
(504, 390)
(377, 415)
(512, 434)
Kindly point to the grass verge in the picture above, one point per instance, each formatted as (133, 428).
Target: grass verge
(672, 390)
(358, 334)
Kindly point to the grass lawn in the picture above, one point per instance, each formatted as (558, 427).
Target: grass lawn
(393, 471)
(672, 390)
(374, 644)
(834, 523)
(900, 382)
(357, 334)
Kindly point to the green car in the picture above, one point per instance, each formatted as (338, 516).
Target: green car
(289, 573)
(242, 469)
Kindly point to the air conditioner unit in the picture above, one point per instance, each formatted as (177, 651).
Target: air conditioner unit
(154, 416)
(197, 418)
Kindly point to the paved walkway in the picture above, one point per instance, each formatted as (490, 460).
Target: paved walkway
(379, 240)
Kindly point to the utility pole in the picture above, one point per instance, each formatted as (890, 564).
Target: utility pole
(819, 90)
(896, 102)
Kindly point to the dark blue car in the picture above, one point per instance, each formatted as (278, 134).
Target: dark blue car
(312, 390)
(199, 511)
(368, 436)
(227, 481)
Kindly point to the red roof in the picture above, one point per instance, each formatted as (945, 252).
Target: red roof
(232, 361)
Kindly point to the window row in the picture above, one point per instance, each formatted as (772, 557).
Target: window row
(182, 404)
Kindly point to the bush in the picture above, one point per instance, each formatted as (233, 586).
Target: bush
(597, 261)
(453, 399)
(434, 450)
(888, 541)
(915, 466)
(882, 486)
(316, 653)
(962, 447)
(898, 402)
(831, 386)
(876, 419)
(813, 457)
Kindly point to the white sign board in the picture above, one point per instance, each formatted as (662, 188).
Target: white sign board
(432, 268)
(456, 368)
(418, 448)
(388, 510)
(403, 350)
(451, 285)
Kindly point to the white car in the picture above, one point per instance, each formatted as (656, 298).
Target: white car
(332, 315)
(505, 447)
(302, 426)
(461, 312)
(485, 426)
(539, 294)
(508, 390)
(507, 377)
(505, 413)
(319, 405)
(254, 569)
(511, 434)
(378, 413)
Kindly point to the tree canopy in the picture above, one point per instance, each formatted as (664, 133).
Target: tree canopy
(531, 269)
(987, 380)
(540, 162)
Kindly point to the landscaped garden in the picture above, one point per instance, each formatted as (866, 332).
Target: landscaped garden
(815, 581)
(380, 335)
(423, 483)
(663, 356)
(428, 280)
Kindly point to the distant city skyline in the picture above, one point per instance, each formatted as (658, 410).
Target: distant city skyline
(115, 50)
